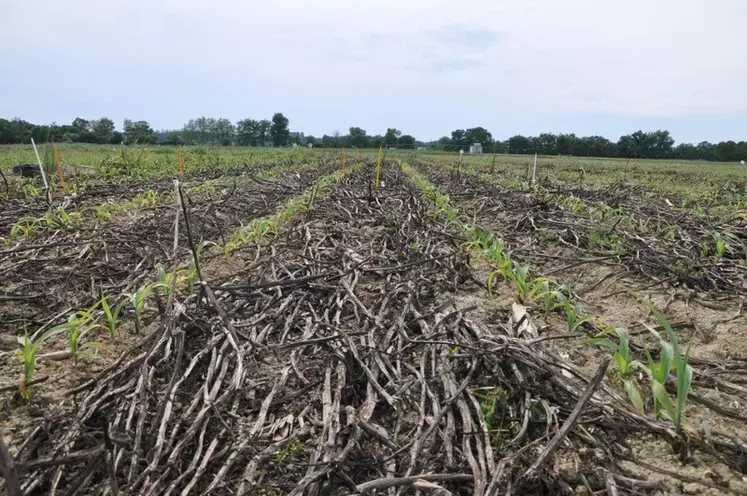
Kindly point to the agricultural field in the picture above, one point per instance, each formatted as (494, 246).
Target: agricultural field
(417, 324)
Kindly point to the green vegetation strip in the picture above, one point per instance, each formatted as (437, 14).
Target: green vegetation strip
(59, 218)
(553, 296)
(84, 321)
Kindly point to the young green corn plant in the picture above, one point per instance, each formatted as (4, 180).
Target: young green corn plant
(720, 245)
(261, 228)
(670, 357)
(625, 365)
(163, 280)
(25, 226)
(137, 300)
(111, 314)
(74, 328)
(31, 191)
(29, 364)
(573, 318)
(527, 289)
(146, 199)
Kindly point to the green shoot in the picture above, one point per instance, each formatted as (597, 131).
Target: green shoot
(625, 365)
(29, 364)
(720, 245)
(31, 191)
(670, 354)
(137, 300)
(573, 316)
(112, 315)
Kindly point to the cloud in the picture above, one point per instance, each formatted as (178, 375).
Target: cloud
(422, 65)
(465, 37)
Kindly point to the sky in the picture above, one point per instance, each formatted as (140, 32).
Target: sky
(427, 67)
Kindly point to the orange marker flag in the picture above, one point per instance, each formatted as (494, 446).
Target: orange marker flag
(60, 173)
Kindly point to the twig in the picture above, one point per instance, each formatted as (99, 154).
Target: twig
(10, 472)
(571, 420)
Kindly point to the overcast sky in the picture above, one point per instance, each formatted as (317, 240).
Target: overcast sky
(605, 67)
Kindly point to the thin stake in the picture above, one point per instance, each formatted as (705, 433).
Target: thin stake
(189, 231)
(41, 167)
(378, 166)
(60, 173)
(343, 160)
(180, 157)
(534, 171)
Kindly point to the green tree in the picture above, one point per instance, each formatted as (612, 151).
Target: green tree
(81, 124)
(391, 138)
(406, 141)
(478, 135)
(547, 144)
(103, 129)
(358, 137)
(224, 132)
(458, 139)
(173, 138)
(444, 143)
(520, 144)
(250, 132)
(138, 132)
(279, 132)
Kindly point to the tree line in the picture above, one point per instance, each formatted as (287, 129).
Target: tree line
(276, 132)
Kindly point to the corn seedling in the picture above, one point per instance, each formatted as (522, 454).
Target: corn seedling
(720, 245)
(106, 210)
(74, 328)
(25, 226)
(31, 191)
(146, 199)
(573, 318)
(111, 315)
(261, 228)
(137, 300)
(29, 364)
(625, 365)
(670, 357)
(527, 289)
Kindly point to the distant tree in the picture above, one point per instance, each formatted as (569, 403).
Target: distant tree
(358, 137)
(660, 144)
(406, 141)
(444, 143)
(173, 138)
(81, 124)
(224, 132)
(478, 135)
(547, 144)
(7, 136)
(138, 132)
(376, 141)
(116, 138)
(728, 151)
(279, 132)
(103, 129)
(520, 144)
(458, 139)
(564, 144)
(250, 132)
(310, 140)
(391, 138)
(657, 144)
